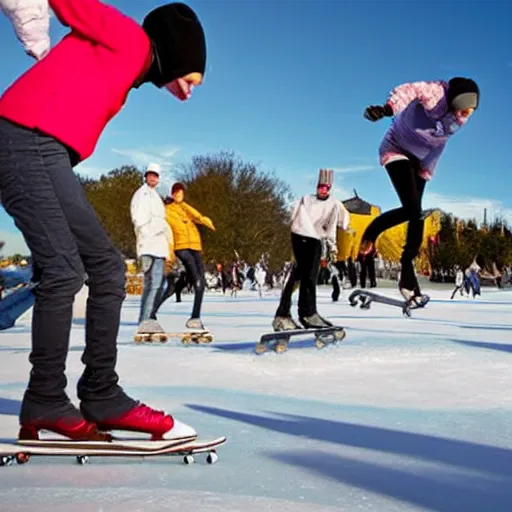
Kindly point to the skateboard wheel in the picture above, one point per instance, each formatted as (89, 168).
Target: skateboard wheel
(212, 457)
(319, 343)
(260, 348)
(82, 459)
(340, 335)
(281, 346)
(22, 458)
(188, 459)
(6, 460)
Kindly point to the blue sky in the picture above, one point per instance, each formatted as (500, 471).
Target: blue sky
(286, 85)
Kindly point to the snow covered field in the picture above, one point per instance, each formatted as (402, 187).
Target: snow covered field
(404, 415)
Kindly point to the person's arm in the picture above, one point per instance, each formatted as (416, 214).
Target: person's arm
(429, 94)
(343, 217)
(332, 227)
(197, 217)
(95, 21)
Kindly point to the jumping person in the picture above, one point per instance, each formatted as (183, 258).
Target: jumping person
(50, 120)
(314, 218)
(426, 114)
(182, 219)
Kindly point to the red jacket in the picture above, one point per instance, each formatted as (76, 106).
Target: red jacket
(84, 81)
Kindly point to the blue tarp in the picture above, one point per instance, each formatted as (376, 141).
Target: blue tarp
(15, 304)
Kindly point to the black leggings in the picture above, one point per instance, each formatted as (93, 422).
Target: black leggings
(174, 285)
(307, 252)
(410, 187)
(193, 264)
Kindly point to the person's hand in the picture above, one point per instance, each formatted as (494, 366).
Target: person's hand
(208, 223)
(375, 112)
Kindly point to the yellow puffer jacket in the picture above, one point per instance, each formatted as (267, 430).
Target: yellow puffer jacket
(182, 219)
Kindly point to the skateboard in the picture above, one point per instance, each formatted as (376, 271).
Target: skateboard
(278, 341)
(365, 298)
(187, 337)
(21, 451)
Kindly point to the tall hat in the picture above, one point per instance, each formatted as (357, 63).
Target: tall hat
(463, 93)
(178, 41)
(325, 177)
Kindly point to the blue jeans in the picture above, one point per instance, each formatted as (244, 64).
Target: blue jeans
(67, 241)
(153, 269)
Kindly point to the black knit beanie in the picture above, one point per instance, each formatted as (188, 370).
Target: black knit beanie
(463, 93)
(178, 41)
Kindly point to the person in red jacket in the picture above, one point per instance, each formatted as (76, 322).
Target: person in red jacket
(50, 120)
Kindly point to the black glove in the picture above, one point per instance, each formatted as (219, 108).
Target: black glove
(375, 112)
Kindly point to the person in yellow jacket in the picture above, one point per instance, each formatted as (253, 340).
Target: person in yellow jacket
(187, 247)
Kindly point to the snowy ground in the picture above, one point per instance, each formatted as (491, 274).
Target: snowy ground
(405, 415)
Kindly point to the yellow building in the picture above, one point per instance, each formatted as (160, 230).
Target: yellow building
(389, 245)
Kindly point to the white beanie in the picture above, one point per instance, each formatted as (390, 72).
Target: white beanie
(154, 168)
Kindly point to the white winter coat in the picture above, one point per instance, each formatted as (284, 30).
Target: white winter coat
(260, 275)
(315, 218)
(151, 229)
(31, 22)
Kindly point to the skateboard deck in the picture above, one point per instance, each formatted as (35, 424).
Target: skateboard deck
(365, 298)
(278, 340)
(21, 451)
(186, 337)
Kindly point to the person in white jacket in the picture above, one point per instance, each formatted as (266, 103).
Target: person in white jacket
(31, 23)
(314, 219)
(459, 281)
(153, 239)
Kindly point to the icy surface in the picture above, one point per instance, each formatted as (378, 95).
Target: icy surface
(404, 415)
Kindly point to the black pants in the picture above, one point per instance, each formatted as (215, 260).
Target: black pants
(174, 284)
(337, 279)
(195, 271)
(40, 191)
(410, 187)
(307, 252)
(367, 270)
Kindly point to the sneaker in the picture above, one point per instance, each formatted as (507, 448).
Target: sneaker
(195, 323)
(73, 427)
(142, 418)
(285, 323)
(149, 326)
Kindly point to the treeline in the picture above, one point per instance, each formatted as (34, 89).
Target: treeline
(248, 206)
(461, 241)
(250, 209)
